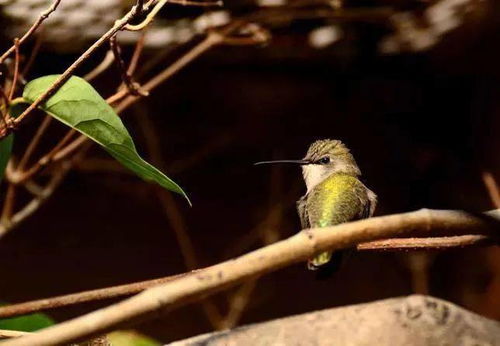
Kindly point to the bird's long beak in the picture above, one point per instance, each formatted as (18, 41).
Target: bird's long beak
(297, 162)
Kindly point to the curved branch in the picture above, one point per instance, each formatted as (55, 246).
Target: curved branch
(297, 248)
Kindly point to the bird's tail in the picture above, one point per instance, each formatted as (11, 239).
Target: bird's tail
(319, 260)
(326, 264)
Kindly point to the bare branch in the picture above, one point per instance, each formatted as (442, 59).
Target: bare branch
(33, 28)
(33, 144)
(149, 18)
(32, 206)
(11, 333)
(82, 297)
(197, 3)
(119, 25)
(16, 70)
(209, 42)
(295, 249)
(396, 244)
(133, 87)
(103, 66)
(436, 243)
(492, 187)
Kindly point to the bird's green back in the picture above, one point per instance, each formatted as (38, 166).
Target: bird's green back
(339, 198)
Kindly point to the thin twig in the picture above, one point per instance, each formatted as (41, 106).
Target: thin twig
(217, 142)
(16, 70)
(103, 66)
(174, 216)
(8, 207)
(492, 187)
(238, 303)
(151, 15)
(139, 5)
(4, 106)
(69, 148)
(149, 18)
(119, 24)
(32, 206)
(133, 87)
(297, 248)
(33, 28)
(20, 175)
(83, 297)
(139, 46)
(33, 54)
(433, 243)
(197, 3)
(34, 142)
(209, 42)
(268, 234)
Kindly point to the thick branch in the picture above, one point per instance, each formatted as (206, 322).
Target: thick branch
(395, 244)
(295, 249)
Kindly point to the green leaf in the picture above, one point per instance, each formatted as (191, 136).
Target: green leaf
(27, 323)
(5, 150)
(78, 105)
(130, 338)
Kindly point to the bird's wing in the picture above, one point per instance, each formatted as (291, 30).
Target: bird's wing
(369, 204)
(302, 211)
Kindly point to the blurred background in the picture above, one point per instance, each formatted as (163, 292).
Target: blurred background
(410, 86)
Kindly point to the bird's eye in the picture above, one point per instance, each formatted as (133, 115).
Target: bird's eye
(324, 160)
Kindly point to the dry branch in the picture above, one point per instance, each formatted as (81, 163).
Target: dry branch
(33, 28)
(295, 249)
(396, 244)
(11, 333)
(432, 243)
(492, 187)
(82, 297)
(119, 24)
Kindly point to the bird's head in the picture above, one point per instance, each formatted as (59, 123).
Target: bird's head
(324, 158)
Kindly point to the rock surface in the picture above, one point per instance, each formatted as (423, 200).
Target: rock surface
(413, 320)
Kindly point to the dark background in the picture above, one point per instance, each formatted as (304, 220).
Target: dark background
(421, 125)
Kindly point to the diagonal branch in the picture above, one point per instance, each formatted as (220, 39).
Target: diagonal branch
(119, 25)
(297, 248)
(83, 297)
(395, 244)
(33, 28)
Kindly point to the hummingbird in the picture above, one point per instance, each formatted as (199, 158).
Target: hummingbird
(335, 194)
